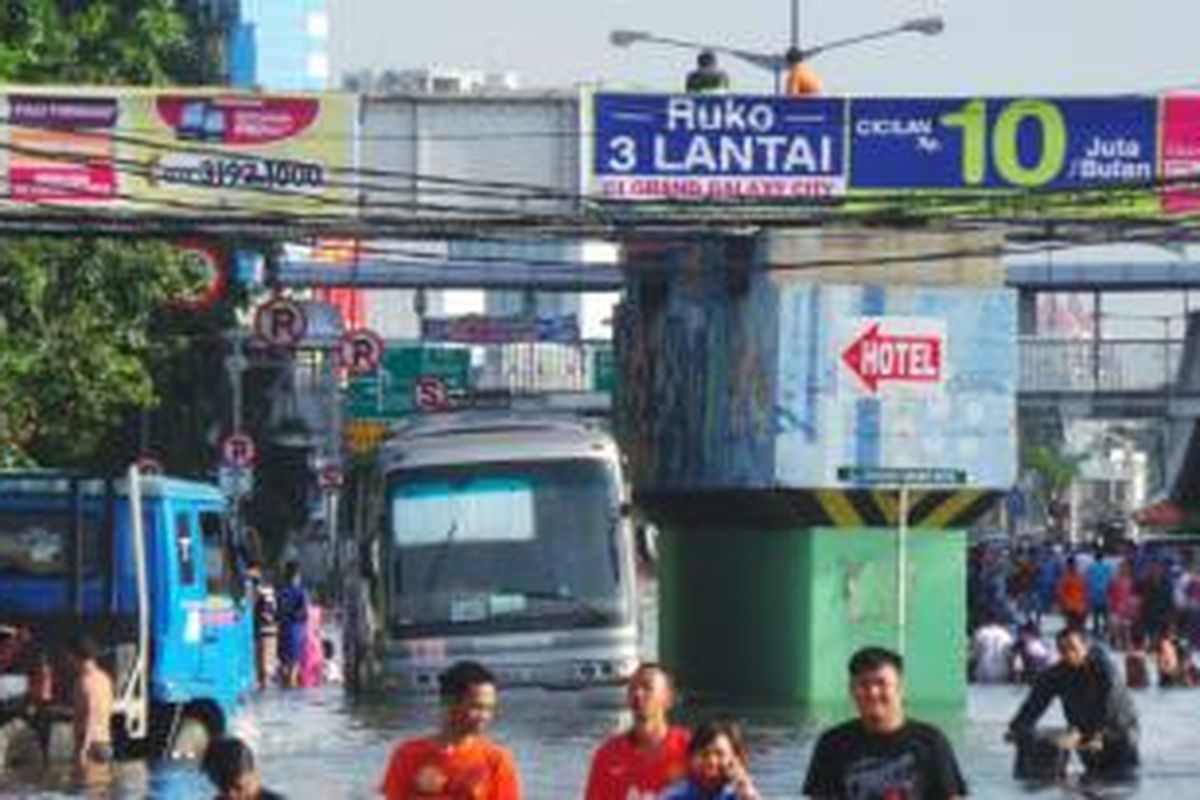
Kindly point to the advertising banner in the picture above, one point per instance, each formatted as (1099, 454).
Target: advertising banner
(1002, 143)
(243, 153)
(59, 148)
(179, 152)
(482, 329)
(699, 147)
(1181, 154)
(1091, 155)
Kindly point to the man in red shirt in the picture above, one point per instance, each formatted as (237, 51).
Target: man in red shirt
(459, 762)
(639, 763)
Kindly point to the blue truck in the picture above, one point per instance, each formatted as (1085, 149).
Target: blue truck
(151, 568)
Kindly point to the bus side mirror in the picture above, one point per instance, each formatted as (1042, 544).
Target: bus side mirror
(646, 541)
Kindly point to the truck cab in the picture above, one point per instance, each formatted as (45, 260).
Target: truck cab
(148, 566)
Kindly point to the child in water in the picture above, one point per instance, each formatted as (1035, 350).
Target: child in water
(716, 766)
(229, 764)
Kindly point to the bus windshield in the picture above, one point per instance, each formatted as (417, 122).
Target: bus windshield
(513, 545)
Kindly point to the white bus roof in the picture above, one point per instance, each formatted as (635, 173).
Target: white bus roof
(473, 437)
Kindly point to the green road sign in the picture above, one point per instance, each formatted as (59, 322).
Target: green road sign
(903, 476)
(604, 369)
(389, 392)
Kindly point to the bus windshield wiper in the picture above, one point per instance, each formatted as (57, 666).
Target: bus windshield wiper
(439, 559)
(571, 602)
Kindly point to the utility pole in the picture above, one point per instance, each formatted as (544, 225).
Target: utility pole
(236, 364)
(795, 40)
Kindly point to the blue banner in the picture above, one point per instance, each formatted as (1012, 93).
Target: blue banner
(482, 329)
(1003, 143)
(718, 147)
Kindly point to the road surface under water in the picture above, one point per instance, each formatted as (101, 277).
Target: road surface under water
(319, 744)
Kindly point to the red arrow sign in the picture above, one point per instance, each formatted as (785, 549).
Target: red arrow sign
(875, 358)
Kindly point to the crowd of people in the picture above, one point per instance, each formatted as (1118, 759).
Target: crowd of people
(291, 645)
(1143, 602)
(1123, 600)
(880, 754)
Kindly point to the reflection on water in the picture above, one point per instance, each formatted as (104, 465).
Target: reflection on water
(316, 744)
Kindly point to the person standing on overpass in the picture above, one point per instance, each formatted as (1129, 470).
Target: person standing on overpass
(802, 79)
(707, 76)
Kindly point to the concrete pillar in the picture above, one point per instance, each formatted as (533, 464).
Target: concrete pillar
(758, 408)
(771, 616)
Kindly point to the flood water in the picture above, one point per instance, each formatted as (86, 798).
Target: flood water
(321, 744)
(318, 744)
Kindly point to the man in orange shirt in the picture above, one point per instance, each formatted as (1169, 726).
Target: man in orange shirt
(459, 762)
(1072, 595)
(639, 763)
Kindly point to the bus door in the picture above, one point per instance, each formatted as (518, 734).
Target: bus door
(227, 653)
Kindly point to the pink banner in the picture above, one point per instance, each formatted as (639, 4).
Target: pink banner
(1181, 154)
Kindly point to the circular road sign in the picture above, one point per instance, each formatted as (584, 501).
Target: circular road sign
(331, 477)
(280, 322)
(430, 393)
(208, 262)
(360, 351)
(148, 464)
(238, 450)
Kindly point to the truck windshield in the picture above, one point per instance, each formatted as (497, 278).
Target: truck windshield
(513, 545)
(38, 543)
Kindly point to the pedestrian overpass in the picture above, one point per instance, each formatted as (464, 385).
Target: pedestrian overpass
(1091, 373)
(763, 240)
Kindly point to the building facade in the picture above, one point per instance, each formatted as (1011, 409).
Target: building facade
(280, 45)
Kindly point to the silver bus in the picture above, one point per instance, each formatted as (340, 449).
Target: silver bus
(505, 538)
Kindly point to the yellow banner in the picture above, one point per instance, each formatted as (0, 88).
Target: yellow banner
(179, 151)
(242, 153)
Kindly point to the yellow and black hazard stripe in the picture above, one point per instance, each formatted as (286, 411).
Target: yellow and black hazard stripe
(817, 508)
(880, 508)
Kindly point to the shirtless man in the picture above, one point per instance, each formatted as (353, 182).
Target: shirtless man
(93, 705)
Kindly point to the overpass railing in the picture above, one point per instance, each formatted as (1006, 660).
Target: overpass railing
(1104, 366)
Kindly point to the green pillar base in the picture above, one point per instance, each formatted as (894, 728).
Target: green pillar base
(754, 617)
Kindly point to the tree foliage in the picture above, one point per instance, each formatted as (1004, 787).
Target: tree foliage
(1056, 470)
(75, 349)
(77, 352)
(138, 42)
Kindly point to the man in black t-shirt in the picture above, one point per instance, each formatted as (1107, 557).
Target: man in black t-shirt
(882, 755)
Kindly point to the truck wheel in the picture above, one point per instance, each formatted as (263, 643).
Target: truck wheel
(191, 739)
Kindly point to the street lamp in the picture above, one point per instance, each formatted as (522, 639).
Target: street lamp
(776, 63)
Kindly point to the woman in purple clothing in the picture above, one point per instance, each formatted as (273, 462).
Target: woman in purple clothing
(292, 603)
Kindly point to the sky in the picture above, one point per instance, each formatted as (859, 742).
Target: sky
(989, 47)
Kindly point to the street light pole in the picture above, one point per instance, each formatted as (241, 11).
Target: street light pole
(777, 63)
(795, 40)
